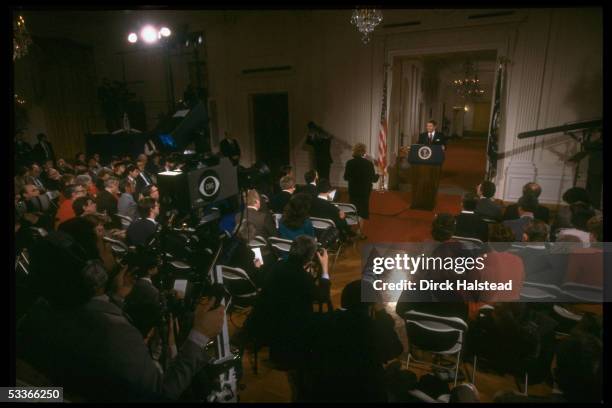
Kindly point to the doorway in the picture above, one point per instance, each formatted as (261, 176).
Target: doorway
(271, 130)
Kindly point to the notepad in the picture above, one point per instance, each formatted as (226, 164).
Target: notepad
(332, 195)
(257, 252)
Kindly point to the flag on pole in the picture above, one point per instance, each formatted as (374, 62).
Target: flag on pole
(382, 133)
(492, 143)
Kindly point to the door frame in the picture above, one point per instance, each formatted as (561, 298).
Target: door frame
(250, 97)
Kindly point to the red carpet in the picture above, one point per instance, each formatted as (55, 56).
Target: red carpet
(388, 223)
(391, 220)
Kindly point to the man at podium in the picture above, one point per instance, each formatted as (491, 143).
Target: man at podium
(432, 137)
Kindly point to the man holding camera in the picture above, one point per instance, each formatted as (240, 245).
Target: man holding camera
(83, 341)
(284, 316)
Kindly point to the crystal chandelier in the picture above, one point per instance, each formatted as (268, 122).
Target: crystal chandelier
(366, 21)
(21, 38)
(469, 86)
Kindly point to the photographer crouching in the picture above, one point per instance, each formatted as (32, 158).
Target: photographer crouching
(82, 340)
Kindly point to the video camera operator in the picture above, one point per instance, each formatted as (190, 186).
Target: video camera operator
(82, 341)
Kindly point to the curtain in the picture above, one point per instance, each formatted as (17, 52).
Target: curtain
(58, 75)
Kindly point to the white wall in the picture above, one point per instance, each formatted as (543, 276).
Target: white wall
(554, 77)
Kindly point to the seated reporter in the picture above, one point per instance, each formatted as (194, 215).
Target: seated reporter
(141, 231)
(261, 219)
(84, 205)
(127, 205)
(238, 254)
(322, 207)
(82, 341)
(295, 220)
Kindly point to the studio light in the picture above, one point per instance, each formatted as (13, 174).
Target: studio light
(165, 32)
(132, 38)
(148, 34)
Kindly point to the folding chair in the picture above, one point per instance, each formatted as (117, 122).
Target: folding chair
(434, 334)
(577, 292)
(281, 246)
(258, 242)
(320, 225)
(125, 221)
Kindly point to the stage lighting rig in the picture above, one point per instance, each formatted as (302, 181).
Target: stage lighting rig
(149, 34)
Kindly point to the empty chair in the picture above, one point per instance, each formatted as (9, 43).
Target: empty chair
(435, 334)
(540, 292)
(576, 292)
(280, 246)
(241, 288)
(470, 243)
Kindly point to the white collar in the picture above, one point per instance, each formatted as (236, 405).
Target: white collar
(467, 212)
(528, 215)
(152, 220)
(146, 279)
(314, 184)
(287, 191)
(253, 208)
(324, 197)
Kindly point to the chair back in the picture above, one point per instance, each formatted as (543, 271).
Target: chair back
(238, 284)
(576, 292)
(470, 243)
(125, 221)
(258, 242)
(280, 245)
(434, 333)
(536, 292)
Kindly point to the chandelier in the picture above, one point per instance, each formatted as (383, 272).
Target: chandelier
(366, 21)
(21, 38)
(469, 86)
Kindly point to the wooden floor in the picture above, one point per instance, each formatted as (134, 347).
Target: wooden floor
(271, 385)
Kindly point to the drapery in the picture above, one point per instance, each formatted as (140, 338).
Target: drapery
(58, 76)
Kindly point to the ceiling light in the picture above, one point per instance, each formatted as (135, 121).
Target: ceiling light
(132, 38)
(165, 32)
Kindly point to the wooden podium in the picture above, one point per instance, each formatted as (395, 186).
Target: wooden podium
(426, 165)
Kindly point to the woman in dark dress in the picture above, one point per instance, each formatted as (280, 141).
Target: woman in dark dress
(360, 174)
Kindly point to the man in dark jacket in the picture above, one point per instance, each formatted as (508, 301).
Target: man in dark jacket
(470, 225)
(349, 349)
(43, 150)
(540, 212)
(280, 200)
(230, 148)
(140, 232)
(432, 137)
(321, 143)
(284, 316)
(322, 207)
(82, 341)
(487, 207)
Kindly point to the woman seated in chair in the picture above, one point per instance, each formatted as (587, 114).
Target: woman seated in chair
(295, 221)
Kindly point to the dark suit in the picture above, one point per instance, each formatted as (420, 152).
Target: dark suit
(262, 220)
(284, 314)
(230, 148)
(23, 152)
(142, 181)
(140, 232)
(438, 139)
(518, 226)
(95, 353)
(309, 188)
(106, 201)
(360, 174)
(43, 151)
(487, 208)
(322, 154)
(542, 213)
(143, 292)
(321, 208)
(471, 226)
(279, 201)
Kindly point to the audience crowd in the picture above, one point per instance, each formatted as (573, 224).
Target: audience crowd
(92, 324)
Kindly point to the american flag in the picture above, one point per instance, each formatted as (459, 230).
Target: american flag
(382, 134)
